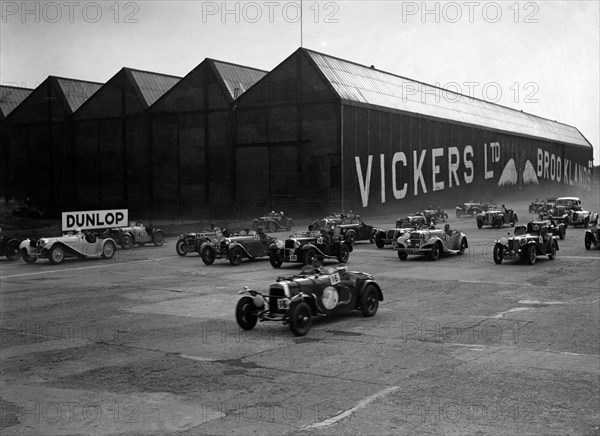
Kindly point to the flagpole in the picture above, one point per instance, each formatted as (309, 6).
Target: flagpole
(301, 16)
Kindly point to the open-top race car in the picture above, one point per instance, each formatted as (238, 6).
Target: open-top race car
(357, 232)
(496, 217)
(77, 244)
(433, 242)
(273, 221)
(568, 210)
(556, 229)
(303, 247)
(403, 225)
(136, 233)
(9, 247)
(528, 243)
(321, 292)
(471, 208)
(434, 215)
(236, 248)
(592, 237)
(333, 219)
(192, 242)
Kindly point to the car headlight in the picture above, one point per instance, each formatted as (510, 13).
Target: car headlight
(504, 240)
(406, 236)
(279, 244)
(42, 242)
(522, 241)
(227, 241)
(296, 244)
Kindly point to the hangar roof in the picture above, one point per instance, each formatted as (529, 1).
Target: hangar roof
(11, 97)
(152, 85)
(237, 78)
(361, 84)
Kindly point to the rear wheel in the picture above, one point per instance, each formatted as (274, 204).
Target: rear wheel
(370, 301)
(181, 247)
(27, 258)
(463, 247)
(552, 253)
(272, 227)
(300, 319)
(379, 242)
(436, 251)
(275, 260)
(290, 224)
(245, 313)
(236, 256)
(458, 213)
(126, 242)
(351, 238)
(588, 241)
(308, 256)
(208, 255)
(402, 255)
(531, 254)
(479, 224)
(561, 233)
(12, 250)
(109, 249)
(158, 238)
(498, 253)
(586, 222)
(57, 255)
(344, 254)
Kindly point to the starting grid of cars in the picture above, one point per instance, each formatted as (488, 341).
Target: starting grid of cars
(319, 290)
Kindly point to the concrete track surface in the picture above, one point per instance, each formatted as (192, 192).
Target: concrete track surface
(147, 343)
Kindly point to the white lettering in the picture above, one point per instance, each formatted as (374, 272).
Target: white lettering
(366, 183)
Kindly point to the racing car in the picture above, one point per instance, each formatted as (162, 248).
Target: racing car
(136, 233)
(528, 243)
(273, 221)
(9, 247)
(434, 242)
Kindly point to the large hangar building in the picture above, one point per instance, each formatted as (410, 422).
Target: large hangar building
(322, 132)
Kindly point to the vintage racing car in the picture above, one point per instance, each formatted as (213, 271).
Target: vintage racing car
(528, 243)
(302, 247)
(556, 229)
(78, 244)
(297, 300)
(471, 208)
(592, 237)
(236, 248)
(496, 217)
(192, 242)
(433, 242)
(136, 233)
(403, 225)
(273, 221)
(357, 232)
(568, 210)
(333, 219)
(434, 215)
(9, 247)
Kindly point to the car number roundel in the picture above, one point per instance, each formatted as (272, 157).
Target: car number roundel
(329, 298)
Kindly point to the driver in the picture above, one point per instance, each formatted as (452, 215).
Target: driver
(447, 230)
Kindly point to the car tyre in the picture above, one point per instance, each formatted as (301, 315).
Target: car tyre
(498, 253)
(158, 238)
(181, 247)
(463, 247)
(12, 250)
(290, 224)
(479, 224)
(272, 227)
(402, 255)
(236, 256)
(308, 256)
(56, 255)
(552, 253)
(275, 260)
(126, 242)
(351, 238)
(588, 241)
(370, 301)
(27, 258)
(379, 242)
(208, 255)
(108, 250)
(458, 213)
(586, 222)
(244, 313)
(300, 318)
(436, 251)
(344, 253)
(531, 254)
(561, 233)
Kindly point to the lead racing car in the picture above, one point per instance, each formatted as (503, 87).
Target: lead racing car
(528, 243)
(297, 300)
(434, 242)
(57, 249)
(136, 233)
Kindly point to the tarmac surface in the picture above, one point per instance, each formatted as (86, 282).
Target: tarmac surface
(147, 343)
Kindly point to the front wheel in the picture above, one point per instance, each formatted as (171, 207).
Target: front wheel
(370, 301)
(463, 247)
(290, 224)
(12, 250)
(275, 260)
(126, 242)
(181, 247)
(561, 233)
(402, 255)
(588, 241)
(379, 242)
(436, 251)
(308, 256)
(27, 258)
(236, 256)
(272, 227)
(57, 255)
(552, 253)
(300, 318)
(344, 254)
(208, 255)
(479, 224)
(158, 238)
(245, 313)
(351, 238)
(531, 254)
(586, 223)
(109, 249)
(498, 253)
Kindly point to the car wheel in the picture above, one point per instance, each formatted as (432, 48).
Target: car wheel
(108, 250)
(158, 238)
(479, 224)
(531, 254)
(126, 242)
(272, 227)
(290, 224)
(236, 256)
(308, 256)
(300, 318)
(463, 247)
(436, 251)
(208, 255)
(588, 241)
(586, 222)
(402, 255)
(27, 258)
(275, 260)
(181, 247)
(458, 214)
(370, 301)
(57, 255)
(552, 253)
(498, 253)
(344, 254)
(351, 238)
(561, 233)
(12, 250)
(245, 313)
(379, 242)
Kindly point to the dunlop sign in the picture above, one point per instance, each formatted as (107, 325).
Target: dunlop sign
(94, 219)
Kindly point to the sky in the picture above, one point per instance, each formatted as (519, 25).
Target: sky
(538, 57)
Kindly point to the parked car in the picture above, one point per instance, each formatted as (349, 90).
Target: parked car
(236, 248)
(432, 242)
(471, 208)
(403, 225)
(136, 233)
(9, 246)
(273, 221)
(192, 242)
(303, 247)
(592, 237)
(528, 243)
(568, 210)
(57, 249)
(297, 300)
(496, 217)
